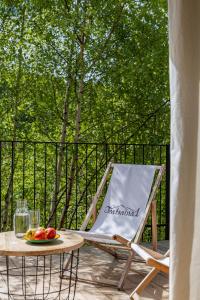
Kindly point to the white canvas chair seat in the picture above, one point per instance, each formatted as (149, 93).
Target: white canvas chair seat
(156, 260)
(126, 206)
(102, 238)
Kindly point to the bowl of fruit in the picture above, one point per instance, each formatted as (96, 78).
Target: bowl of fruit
(41, 235)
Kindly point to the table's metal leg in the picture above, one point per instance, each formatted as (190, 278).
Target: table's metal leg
(70, 271)
(24, 277)
(36, 277)
(61, 270)
(7, 275)
(43, 283)
(71, 264)
(76, 273)
(50, 273)
(40, 278)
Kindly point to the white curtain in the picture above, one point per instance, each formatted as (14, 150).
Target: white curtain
(184, 38)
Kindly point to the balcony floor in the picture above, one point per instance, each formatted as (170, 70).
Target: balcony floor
(103, 265)
(95, 263)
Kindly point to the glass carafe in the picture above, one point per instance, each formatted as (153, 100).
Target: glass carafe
(21, 218)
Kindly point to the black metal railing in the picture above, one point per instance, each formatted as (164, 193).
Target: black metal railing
(60, 179)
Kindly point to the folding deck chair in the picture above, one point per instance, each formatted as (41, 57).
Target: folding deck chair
(130, 197)
(159, 262)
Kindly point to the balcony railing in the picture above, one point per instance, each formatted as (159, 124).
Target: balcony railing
(60, 179)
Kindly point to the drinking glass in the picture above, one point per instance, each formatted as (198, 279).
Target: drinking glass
(34, 218)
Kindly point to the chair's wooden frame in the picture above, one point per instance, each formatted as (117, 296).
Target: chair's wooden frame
(157, 265)
(124, 243)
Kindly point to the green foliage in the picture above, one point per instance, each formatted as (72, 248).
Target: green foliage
(125, 69)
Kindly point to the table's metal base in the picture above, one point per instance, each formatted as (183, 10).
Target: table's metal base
(39, 277)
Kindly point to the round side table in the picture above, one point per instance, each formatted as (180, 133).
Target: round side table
(36, 271)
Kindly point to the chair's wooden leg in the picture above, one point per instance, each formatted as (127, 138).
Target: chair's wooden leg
(66, 264)
(94, 215)
(127, 267)
(106, 249)
(145, 282)
(154, 226)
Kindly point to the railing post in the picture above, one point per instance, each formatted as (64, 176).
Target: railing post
(0, 185)
(167, 199)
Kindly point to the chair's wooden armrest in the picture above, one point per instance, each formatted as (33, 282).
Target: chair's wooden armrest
(153, 253)
(158, 265)
(120, 239)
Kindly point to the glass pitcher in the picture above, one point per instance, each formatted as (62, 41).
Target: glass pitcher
(21, 219)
